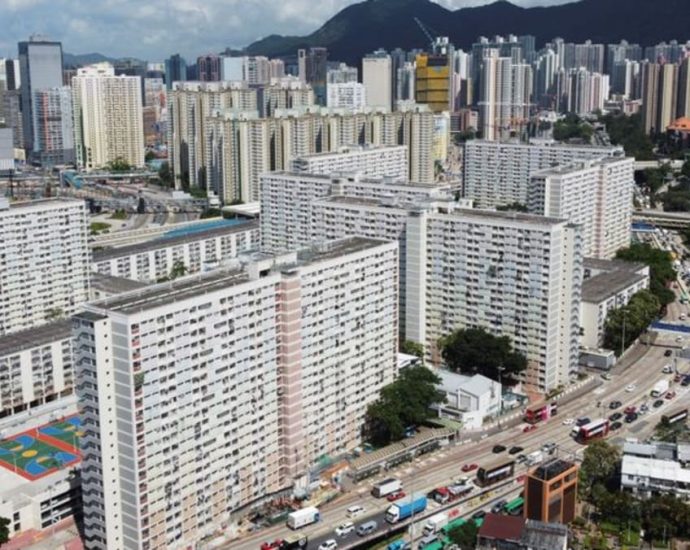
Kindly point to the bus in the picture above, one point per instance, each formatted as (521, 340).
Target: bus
(540, 412)
(514, 507)
(495, 472)
(594, 430)
(676, 416)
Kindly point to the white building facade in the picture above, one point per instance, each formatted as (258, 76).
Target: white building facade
(198, 251)
(346, 95)
(108, 119)
(498, 173)
(369, 161)
(595, 194)
(44, 264)
(226, 387)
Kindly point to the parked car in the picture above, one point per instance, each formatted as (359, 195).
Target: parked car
(498, 449)
(344, 528)
(396, 496)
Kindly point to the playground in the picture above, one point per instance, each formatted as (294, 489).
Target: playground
(40, 451)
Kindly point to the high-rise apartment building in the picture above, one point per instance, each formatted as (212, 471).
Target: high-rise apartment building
(377, 79)
(40, 62)
(619, 53)
(231, 68)
(54, 140)
(404, 89)
(505, 95)
(594, 194)
(551, 492)
(369, 161)
(228, 387)
(624, 78)
(208, 68)
(175, 70)
(659, 95)
(433, 81)
(313, 69)
(44, 265)
(586, 91)
(683, 107)
(108, 119)
(498, 174)
(342, 74)
(348, 95)
(12, 114)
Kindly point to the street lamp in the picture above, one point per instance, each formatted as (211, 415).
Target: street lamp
(500, 369)
(623, 337)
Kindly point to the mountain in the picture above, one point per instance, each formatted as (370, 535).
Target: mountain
(82, 59)
(361, 28)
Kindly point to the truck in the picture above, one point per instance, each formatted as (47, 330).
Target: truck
(535, 458)
(435, 523)
(386, 487)
(403, 510)
(303, 517)
(660, 388)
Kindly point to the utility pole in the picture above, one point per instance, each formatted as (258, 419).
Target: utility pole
(623, 336)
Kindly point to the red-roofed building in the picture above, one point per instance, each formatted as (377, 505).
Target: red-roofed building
(499, 528)
(499, 532)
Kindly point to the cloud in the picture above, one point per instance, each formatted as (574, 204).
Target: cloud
(157, 28)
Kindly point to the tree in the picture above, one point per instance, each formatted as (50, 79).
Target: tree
(685, 170)
(661, 271)
(403, 403)
(598, 467)
(119, 165)
(150, 155)
(412, 348)
(642, 309)
(513, 207)
(465, 535)
(178, 270)
(572, 127)
(4, 530)
(628, 131)
(474, 350)
(165, 174)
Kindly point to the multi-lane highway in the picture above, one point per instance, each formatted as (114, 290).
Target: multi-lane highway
(630, 384)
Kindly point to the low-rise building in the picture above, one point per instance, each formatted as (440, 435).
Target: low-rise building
(469, 399)
(607, 285)
(196, 250)
(655, 468)
(501, 532)
(551, 492)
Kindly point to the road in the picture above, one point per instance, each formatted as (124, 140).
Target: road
(437, 469)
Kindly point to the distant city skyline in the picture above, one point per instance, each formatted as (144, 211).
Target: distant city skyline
(158, 28)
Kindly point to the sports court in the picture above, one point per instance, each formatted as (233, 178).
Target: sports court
(41, 451)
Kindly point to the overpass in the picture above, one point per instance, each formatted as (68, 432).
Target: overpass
(77, 179)
(670, 220)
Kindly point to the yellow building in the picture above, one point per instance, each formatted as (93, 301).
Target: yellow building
(432, 82)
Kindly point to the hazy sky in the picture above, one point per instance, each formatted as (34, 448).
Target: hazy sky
(152, 29)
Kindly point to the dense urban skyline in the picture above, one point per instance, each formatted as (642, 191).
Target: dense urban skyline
(156, 28)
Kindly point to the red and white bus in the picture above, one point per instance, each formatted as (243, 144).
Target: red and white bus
(541, 411)
(594, 430)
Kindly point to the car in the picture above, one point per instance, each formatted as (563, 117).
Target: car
(469, 467)
(670, 395)
(615, 405)
(606, 376)
(679, 338)
(630, 388)
(615, 426)
(678, 378)
(479, 514)
(615, 416)
(658, 403)
(548, 447)
(582, 421)
(354, 511)
(498, 507)
(521, 479)
(668, 369)
(630, 418)
(521, 459)
(329, 544)
(498, 449)
(515, 450)
(397, 495)
(629, 410)
(686, 381)
(644, 407)
(529, 428)
(568, 422)
(367, 528)
(668, 353)
(275, 545)
(344, 528)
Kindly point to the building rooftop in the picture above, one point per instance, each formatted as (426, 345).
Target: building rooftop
(356, 177)
(166, 293)
(114, 285)
(539, 535)
(165, 242)
(605, 285)
(349, 149)
(502, 527)
(40, 204)
(655, 468)
(35, 337)
(551, 469)
(479, 214)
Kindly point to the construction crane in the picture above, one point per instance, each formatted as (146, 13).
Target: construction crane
(426, 31)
